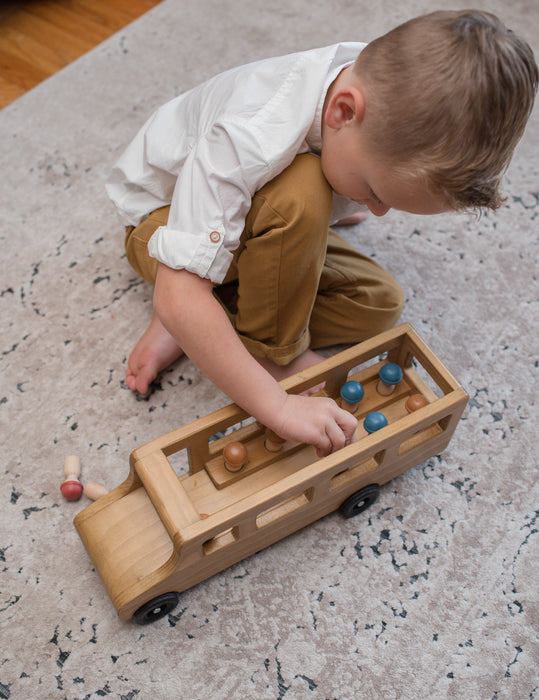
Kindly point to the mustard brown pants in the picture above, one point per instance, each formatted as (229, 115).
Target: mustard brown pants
(294, 283)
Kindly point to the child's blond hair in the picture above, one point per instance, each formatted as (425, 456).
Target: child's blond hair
(448, 96)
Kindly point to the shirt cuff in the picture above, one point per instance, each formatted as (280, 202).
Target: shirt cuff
(203, 254)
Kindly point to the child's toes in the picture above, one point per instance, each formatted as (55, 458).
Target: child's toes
(144, 378)
(130, 380)
(137, 382)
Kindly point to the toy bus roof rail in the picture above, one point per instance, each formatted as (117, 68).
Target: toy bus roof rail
(150, 462)
(401, 344)
(167, 494)
(193, 437)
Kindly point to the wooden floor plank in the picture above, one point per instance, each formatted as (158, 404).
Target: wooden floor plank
(79, 24)
(9, 90)
(19, 66)
(74, 15)
(39, 37)
(43, 44)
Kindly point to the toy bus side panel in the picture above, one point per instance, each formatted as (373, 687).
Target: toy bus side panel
(238, 531)
(228, 537)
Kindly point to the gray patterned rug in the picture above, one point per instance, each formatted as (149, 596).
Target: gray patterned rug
(430, 594)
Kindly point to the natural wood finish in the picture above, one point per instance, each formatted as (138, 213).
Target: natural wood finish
(126, 560)
(259, 456)
(235, 456)
(93, 490)
(167, 494)
(209, 518)
(39, 37)
(72, 468)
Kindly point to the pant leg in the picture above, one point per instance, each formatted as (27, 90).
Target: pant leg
(292, 285)
(356, 299)
(136, 244)
(280, 260)
(270, 289)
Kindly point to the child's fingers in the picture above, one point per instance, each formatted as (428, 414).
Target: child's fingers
(338, 433)
(323, 447)
(348, 424)
(318, 421)
(336, 436)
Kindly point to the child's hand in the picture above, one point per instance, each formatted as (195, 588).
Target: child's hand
(316, 421)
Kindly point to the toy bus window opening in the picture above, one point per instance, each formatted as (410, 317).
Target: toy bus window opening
(290, 505)
(179, 461)
(368, 363)
(223, 539)
(426, 379)
(231, 429)
(346, 476)
(430, 431)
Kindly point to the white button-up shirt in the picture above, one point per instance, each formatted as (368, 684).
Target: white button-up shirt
(207, 152)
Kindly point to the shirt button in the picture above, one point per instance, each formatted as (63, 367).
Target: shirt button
(215, 236)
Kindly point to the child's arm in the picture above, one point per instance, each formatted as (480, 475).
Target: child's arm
(187, 308)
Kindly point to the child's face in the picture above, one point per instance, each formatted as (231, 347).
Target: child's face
(355, 171)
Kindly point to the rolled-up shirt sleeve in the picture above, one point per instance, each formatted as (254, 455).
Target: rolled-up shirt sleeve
(211, 200)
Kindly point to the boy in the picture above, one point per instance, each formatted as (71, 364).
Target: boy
(255, 165)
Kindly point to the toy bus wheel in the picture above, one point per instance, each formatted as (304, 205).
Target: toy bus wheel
(359, 501)
(156, 608)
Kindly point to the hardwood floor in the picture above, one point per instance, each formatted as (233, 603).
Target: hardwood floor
(38, 37)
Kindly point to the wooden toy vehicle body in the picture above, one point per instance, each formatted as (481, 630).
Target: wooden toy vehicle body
(158, 534)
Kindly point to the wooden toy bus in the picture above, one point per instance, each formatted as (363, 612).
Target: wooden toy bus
(159, 532)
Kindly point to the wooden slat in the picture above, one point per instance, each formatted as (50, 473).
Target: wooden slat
(39, 37)
(167, 494)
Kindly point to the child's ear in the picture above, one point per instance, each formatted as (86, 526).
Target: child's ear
(346, 106)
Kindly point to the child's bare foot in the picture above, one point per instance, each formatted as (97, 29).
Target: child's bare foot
(155, 351)
(353, 219)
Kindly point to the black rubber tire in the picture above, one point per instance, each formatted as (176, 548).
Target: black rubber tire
(156, 608)
(359, 501)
